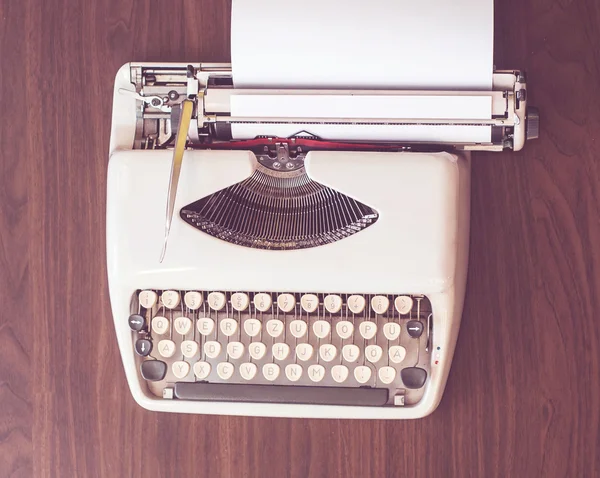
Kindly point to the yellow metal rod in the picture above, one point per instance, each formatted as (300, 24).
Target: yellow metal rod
(187, 108)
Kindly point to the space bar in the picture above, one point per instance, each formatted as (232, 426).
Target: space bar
(224, 392)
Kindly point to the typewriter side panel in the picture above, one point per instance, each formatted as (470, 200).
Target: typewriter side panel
(448, 305)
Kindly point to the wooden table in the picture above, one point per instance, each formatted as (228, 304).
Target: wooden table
(523, 398)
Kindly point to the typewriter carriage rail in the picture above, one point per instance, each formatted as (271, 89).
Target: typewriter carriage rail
(160, 87)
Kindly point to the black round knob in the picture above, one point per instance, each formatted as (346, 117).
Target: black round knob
(136, 322)
(143, 347)
(413, 377)
(153, 370)
(414, 328)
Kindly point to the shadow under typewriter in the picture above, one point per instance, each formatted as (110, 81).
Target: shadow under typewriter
(280, 211)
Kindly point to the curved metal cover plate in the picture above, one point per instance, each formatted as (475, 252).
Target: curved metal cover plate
(279, 211)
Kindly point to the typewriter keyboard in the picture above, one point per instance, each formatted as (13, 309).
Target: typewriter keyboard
(339, 349)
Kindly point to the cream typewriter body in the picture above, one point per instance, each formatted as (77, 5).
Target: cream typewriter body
(290, 276)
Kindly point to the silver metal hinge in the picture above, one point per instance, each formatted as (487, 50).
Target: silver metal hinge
(280, 157)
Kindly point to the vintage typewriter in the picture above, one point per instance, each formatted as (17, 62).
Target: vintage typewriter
(292, 275)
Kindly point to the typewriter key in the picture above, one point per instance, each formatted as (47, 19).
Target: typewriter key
(148, 298)
(415, 328)
(136, 322)
(143, 347)
(413, 377)
(153, 370)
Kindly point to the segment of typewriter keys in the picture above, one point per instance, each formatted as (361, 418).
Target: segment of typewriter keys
(283, 347)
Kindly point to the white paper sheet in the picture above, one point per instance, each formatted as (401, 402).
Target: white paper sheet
(375, 44)
(332, 106)
(412, 44)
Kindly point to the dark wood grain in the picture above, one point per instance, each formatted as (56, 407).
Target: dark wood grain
(523, 399)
